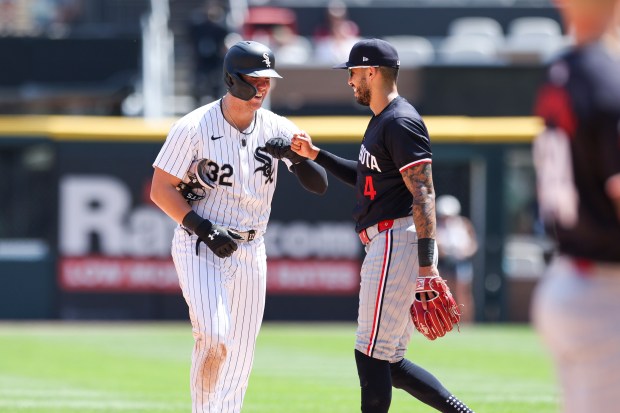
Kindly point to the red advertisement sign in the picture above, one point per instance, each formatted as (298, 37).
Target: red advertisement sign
(313, 277)
(108, 274)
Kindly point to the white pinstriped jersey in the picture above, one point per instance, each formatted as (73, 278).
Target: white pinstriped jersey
(244, 173)
(221, 292)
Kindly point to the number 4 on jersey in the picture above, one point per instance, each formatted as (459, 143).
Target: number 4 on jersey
(369, 188)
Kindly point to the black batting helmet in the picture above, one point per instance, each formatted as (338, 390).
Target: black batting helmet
(251, 59)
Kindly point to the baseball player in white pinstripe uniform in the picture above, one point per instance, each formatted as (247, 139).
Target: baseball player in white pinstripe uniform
(214, 177)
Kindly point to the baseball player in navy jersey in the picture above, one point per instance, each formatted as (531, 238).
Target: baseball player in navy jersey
(215, 179)
(395, 218)
(576, 307)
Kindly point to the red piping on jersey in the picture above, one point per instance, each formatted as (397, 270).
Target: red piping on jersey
(584, 266)
(380, 290)
(554, 105)
(414, 163)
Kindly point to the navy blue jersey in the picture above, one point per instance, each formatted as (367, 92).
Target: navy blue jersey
(579, 151)
(395, 139)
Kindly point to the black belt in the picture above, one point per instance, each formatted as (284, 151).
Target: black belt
(247, 236)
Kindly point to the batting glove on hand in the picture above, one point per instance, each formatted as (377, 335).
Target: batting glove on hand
(220, 240)
(281, 148)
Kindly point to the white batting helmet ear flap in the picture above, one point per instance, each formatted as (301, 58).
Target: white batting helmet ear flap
(238, 87)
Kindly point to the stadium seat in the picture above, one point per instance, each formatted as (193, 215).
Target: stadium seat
(296, 51)
(535, 26)
(477, 26)
(413, 50)
(469, 50)
(533, 40)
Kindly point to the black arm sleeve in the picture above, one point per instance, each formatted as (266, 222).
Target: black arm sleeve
(343, 169)
(311, 176)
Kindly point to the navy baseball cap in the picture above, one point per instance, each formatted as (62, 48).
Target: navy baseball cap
(371, 52)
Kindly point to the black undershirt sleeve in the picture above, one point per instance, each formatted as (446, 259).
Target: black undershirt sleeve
(343, 169)
(311, 176)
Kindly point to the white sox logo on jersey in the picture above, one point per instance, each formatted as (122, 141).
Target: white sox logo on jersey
(267, 61)
(368, 159)
(267, 164)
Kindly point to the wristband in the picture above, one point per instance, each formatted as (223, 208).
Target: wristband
(192, 220)
(426, 252)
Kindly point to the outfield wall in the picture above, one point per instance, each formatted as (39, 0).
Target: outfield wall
(80, 239)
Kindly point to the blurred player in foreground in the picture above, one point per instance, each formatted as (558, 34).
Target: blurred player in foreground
(576, 307)
(395, 219)
(214, 177)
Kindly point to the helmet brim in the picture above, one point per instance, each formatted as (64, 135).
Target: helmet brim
(261, 73)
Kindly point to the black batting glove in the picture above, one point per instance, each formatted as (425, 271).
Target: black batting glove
(218, 239)
(281, 148)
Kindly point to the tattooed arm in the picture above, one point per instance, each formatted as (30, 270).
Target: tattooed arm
(419, 181)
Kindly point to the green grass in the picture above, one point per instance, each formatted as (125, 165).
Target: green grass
(91, 367)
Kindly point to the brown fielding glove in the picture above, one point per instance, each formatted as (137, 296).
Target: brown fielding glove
(441, 312)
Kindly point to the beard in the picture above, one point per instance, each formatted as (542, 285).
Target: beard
(363, 93)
